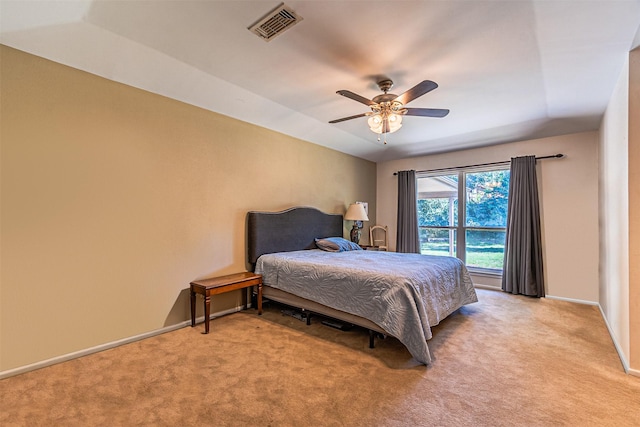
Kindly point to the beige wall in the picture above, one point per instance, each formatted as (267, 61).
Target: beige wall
(569, 203)
(614, 214)
(114, 199)
(620, 214)
(634, 210)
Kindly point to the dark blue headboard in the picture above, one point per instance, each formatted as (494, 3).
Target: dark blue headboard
(289, 230)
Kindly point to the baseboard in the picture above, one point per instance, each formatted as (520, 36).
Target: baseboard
(578, 301)
(70, 356)
(486, 287)
(623, 359)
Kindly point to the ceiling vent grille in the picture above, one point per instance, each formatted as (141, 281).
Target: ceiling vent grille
(275, 22)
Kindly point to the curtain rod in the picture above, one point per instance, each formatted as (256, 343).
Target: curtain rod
(554, 156)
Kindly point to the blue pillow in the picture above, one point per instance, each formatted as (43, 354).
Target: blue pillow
(337, 244)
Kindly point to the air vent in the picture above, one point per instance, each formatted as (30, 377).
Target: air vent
(275, 22)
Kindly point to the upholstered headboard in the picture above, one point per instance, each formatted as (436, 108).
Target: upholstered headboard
(289, 230)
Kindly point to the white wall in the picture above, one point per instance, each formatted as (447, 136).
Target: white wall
(614, 213)
(569, 203)
(634, 212)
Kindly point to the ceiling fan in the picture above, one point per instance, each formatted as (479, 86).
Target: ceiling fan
(387, 109)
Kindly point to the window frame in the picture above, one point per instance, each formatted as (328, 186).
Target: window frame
(461, 228)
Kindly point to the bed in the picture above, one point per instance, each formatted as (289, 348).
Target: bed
(401, 295)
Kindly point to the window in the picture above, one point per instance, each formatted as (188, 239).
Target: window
(473, 229)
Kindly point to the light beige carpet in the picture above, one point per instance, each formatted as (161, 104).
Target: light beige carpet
(505, 361)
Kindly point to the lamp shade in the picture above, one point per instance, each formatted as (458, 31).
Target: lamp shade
(356, 212)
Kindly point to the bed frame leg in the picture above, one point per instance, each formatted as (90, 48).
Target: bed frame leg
(372, 336)
(308, 318)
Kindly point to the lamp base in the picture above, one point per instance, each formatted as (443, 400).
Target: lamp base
(355, 234)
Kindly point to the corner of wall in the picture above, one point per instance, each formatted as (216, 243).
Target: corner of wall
(634, 210)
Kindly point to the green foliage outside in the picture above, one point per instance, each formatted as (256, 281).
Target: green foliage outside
(486, 206)
(487, 198)
(485, 249)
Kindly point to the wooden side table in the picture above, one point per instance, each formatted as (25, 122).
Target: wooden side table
(219, 285)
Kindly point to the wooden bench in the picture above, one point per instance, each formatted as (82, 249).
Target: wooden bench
(219, 285)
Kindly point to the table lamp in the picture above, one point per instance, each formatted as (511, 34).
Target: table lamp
(357, 214)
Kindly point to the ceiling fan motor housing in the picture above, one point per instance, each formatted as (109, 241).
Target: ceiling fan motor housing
(385, 97)
(385, 85)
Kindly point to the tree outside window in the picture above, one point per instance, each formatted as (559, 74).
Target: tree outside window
(478, 238)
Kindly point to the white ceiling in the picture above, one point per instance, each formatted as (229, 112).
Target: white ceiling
(508, 70)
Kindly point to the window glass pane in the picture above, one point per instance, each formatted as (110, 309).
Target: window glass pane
(483, 219)
(437, 241)
(438, 200)
(487, 196)
(485, 248)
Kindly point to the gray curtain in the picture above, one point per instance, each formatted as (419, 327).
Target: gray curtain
(407, 239)
(522, 270)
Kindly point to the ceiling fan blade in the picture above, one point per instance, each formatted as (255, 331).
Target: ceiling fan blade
(348, 118)
(416, 91)
(426, 112)
(355, 97)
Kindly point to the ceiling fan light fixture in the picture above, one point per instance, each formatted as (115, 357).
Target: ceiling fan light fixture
(376, 122)
(387, 109)
(395, 122)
